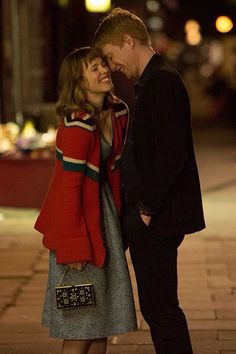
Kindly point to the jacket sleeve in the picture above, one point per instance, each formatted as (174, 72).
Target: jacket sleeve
(74, 244)
(170, 117)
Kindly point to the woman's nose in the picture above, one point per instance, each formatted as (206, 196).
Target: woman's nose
(105, 69)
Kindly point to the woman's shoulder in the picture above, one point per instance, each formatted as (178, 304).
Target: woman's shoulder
(80, 119)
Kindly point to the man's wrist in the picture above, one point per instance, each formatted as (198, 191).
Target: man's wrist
(144, 209)
(145, 212)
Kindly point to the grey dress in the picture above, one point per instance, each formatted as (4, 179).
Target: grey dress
(114, 312)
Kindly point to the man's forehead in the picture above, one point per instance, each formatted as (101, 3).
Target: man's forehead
(108, 49)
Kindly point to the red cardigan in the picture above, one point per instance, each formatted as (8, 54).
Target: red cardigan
(70, 218)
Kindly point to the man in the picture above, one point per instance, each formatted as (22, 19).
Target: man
(160, 177)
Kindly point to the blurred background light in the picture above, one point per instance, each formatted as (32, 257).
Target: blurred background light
(155, 23)
(63, 3)
(193, 35)
(193, 38)
(207, 70)
(171, 4)
(192, 26)
(224, 24)
(216, 53)
(97, 5)
(152, 5)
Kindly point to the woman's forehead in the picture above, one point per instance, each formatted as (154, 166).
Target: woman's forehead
(95, 60)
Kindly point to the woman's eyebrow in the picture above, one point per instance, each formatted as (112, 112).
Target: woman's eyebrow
(93, 66)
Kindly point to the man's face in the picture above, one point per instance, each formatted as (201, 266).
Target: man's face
(121, 59)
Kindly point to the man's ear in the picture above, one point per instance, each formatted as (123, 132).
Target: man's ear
(129, 40)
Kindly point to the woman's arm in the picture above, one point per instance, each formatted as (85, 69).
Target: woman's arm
(74, 243)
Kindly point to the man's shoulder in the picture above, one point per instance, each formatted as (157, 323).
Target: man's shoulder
(165, 72)
(164, 78)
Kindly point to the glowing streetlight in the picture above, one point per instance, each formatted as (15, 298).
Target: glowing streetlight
(97, 5)
(224, 24)
(193, 35)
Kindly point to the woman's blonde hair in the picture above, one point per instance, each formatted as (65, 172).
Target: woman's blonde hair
(71, 95)
(116, 24)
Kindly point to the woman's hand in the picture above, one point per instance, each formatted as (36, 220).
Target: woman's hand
(77, 265)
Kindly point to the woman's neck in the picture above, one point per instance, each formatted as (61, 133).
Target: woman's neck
(97, 101)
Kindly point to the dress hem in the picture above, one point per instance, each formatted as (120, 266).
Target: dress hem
(111, 334)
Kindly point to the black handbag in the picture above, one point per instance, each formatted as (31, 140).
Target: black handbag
(75, 296)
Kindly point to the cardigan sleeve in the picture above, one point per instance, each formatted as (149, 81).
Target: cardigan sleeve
(74, 244)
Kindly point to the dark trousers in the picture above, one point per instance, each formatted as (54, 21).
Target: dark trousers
(154, 259)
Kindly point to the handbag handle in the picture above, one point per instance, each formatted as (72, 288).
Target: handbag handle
(65, 271)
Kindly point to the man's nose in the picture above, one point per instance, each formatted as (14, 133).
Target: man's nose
(112, 66)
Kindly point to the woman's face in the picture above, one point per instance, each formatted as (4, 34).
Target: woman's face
(97, 77)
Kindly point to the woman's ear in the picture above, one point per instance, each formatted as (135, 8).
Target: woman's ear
(129, 40)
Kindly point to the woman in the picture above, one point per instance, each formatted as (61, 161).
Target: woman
(79, 219)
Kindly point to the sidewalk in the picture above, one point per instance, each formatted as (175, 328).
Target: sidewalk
(207, 268)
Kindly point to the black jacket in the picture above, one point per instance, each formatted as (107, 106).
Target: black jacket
(163, 152)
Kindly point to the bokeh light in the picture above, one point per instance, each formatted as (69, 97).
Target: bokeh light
(97, 5)
(224, 24)
(152, 5)
(193, 35)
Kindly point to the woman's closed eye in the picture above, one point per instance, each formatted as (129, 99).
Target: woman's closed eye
(104, 64)
(94, 68)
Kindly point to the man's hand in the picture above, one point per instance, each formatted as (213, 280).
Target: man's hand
(146, 219)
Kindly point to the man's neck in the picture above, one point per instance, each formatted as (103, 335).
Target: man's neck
(145, 54)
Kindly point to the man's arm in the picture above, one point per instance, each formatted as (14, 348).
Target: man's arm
(170, 115)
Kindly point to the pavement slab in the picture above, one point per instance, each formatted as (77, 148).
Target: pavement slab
(52, 347)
